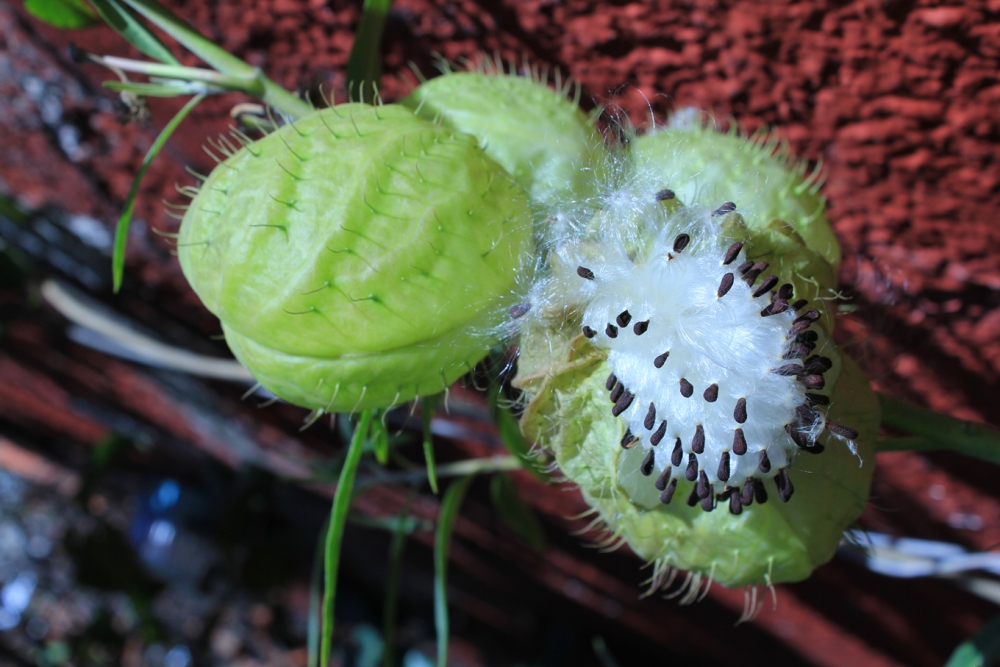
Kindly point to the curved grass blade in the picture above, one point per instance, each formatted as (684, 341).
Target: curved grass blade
(391, 606)
(380, 441)
(982, 649)
(125, 22)
(427, 408)
(121, 232)
(335, 534)
(936, 431)
(450, 505)
(315, 599)
(364, 66)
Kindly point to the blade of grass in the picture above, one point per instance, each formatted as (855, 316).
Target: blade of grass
(315, 598)
(427, 408)
(364, 66)
(982, 649)
(380, 441)
(389, 612)
(335, 534)
(273, 94)
(121, 232)
(124, 21)
(65, 14)
(450, 505)
(516, 513)
(937, 431)
(510, 434)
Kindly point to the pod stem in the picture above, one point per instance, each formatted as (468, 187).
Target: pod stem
(933, 431)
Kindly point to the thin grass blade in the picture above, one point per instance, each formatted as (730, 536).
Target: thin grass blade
(390, 609)
(428, 406)
(450, 505)
(127, 24)
(936, 431)
(364, 66)
(335, 534)
(121, 233)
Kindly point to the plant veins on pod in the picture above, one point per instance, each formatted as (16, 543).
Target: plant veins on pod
(680, 367)
(357, 257)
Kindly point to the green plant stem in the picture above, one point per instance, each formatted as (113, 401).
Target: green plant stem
(250, 85)
(271, 93)
(456, 469)
(427, 407)
(980, 650)
(335, 534)
(442, 542)
(121, 232)
(364, 66)
(935, 431)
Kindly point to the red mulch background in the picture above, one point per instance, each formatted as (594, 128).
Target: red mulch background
(898, 99)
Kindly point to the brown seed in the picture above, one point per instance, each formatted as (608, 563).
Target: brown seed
(785, 292)
(611, 330)
(735, 506)
(788, 369)
(740, 412)
(818, 399)
(797, 328)
(627, 439)
(797, 436)
(815, 448)
(584, 272)
(621, 405)
(519, 310)
(744, 267)
(691, 473)
(704, 488)
(712, 393)
(588, 332)
(692, 498)
(764, 463)
(765, 286)
(746, 498)
(681, 242)
(732, 253)
(660, 360)
(728, 207)
(708, 503)
(813, 381)
(800, 304)
(698, 441)
(686, 388)
(818, 364)
(661, 481)
(808, 337)
(723, 472)
(668, 493)
(796, 351)
(650, 417)
(616, 392)
(677, 454)
(760, 493)
(612, 381)
(739, 442)
(654, 439)
(784, 484)
(623, 318)
(842, 431)
(664, 195)
(639, 328)
(808, 316)
(725, 285)
(647, 464)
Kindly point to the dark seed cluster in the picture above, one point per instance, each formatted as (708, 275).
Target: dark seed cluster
(806, 368)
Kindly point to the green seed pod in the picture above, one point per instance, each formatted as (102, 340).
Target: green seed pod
(679, 366)
(358, 257)
(537, 134)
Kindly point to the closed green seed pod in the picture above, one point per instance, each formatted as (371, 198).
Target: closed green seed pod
(358, 257)
(537, 134)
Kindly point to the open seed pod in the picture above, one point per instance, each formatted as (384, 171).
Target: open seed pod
(357, 257)
(679, 366)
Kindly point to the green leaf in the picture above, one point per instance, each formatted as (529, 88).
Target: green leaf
(428, 405)
(125, 22)
(121, 233)
(173, 89)
(982, 649)
(442, 541)
(515, 512)
(936, 432)
(335, 535)
(66, 14)
(364, 66)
